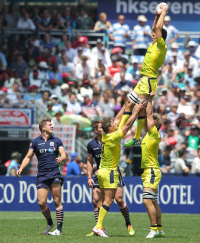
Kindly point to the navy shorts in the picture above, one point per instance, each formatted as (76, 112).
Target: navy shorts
(120, 184)
(44, 179)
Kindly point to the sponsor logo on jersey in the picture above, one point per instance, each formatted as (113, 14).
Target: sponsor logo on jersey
(51, 143)
(41, 143)
(95, 148)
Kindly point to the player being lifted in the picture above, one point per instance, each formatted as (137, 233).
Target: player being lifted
(108, 175)
(151, 176)
(94, 151)
(47, 147)
(153, 60)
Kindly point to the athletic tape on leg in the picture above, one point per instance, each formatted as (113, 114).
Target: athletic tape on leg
(133, 97)
(148, 195)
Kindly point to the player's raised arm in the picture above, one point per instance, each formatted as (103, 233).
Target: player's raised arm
(160, 22)
(133, 117)
(25, 162)
(118, 117)
(155, 22)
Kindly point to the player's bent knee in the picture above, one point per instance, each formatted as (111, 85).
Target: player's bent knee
(42, 204)
(57, 201)
(120, 201)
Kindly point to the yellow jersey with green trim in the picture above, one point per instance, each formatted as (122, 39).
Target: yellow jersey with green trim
(154, 58)
(110, 149)
(149, 146)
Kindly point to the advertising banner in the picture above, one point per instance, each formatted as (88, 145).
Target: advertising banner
(20, 118)
(66, 133)
(176, 195)
(184, 14)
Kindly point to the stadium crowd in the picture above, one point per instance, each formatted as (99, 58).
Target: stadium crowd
(68, 76)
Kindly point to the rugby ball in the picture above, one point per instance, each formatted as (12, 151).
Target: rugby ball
(159, 8)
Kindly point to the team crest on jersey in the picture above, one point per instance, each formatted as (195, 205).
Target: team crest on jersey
(51, 143)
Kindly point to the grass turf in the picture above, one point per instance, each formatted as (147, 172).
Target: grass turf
(25, 227)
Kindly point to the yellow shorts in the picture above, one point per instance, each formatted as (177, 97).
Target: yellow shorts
(151, 178)
(108, 178)
(146, 85)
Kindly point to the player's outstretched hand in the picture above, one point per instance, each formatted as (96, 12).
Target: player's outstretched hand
(18, 173)
(141, 105)
(152, 94)
(59, 160)
(165, 9)
(90, 182)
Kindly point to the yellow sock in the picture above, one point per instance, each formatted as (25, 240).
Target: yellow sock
(140, 125)
(154, 227)
(102, 214)
(159, 228)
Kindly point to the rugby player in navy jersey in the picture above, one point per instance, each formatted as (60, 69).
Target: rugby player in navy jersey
(94, 151)
(47, 148)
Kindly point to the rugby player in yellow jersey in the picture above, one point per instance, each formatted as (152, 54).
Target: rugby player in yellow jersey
(153, 60)
(151, 175)
(108, 176)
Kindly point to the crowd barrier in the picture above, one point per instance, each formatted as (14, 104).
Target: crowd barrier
(176, 194)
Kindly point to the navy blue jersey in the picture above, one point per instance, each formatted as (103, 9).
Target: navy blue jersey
(94, 149)
(46, 151)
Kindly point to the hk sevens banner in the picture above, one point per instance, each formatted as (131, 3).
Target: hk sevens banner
(176, 195)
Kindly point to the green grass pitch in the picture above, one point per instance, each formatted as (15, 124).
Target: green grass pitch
(27, 227)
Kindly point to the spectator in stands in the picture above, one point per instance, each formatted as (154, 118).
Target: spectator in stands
(169, 70)
(133, 69)
(122, 83)
(39, 76)
(181, 124)
(96, 51)
(49, 108)
(89, 109)
(141, 36)
(180, 165)
(44, 100)
(72, 105)
(83, 43)
(31, 55)
(35, 16)
(193, 139)
(119, 32)
(45, 23)
(3, 22)
(178, 64)
(61, 43)
(191, 46)
(53, 88)
(55, 74)
(56, 119)
(66, 67)
(114, 68)
(102, 26)
(106, 56)
(11, 93)
(172, 32)
(13, 167)
(164, 160)
(174, 48)
(73, 167)
(24, 85)
(82, 68)
(56, 105)
(191, 62)
(116, 77)
(107, 106)
(117, 51)
(96, 68)
(48, 44)
(75, 43)
(70, 52)
(3, 60)
(20, 65)
(65, 92)
(59, 22)
(189, 77)
(77, 59)
(12, 16)
(83, 21)
(173, 115)
(71, 23)
(104, 83)
(185, 107)
(196, 163)
(85, 90)
(25, 23)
